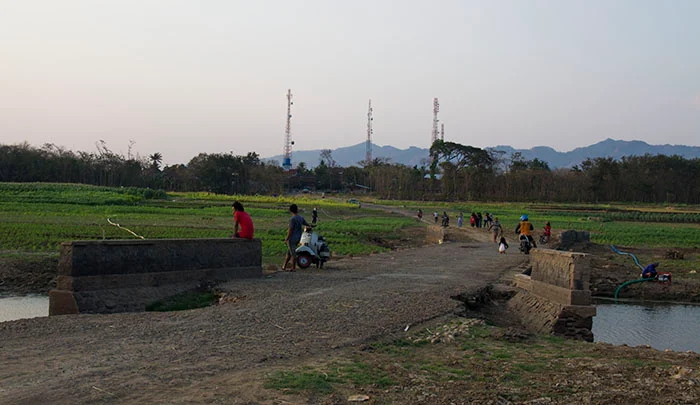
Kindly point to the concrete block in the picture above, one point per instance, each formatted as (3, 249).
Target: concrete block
(62, 302)
(126, 275)
(523, 281)
(560, 295)
(93, 258)
(563, 269)
(583, 311)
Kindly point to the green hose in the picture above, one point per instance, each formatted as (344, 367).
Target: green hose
(626, 283)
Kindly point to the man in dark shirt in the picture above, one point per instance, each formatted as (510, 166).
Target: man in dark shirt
(294, 231)
(650, 271)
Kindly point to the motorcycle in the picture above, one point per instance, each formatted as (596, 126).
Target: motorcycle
(525, 244)
(312, 249)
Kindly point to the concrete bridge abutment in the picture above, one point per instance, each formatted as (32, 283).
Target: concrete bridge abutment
(556, 297)
(126, 275)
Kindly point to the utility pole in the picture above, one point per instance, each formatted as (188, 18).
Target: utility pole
(287, 162)
(368, 144)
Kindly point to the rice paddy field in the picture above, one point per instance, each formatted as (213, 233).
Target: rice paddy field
(37, 217)
(627, 225)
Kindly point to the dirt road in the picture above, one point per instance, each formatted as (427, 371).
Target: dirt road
(198, 355)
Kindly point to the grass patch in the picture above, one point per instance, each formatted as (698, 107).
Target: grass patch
(553, 339)
(297, 381)
(182, 302)
(357, 374)
(501, 355)
(363, 374)
(530, 367)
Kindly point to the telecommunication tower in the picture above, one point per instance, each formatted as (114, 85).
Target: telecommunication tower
(442, 132)
(287, 162)
(368, 144)
(436, 109)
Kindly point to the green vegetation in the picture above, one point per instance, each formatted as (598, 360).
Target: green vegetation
(520, 369)
(357, 373)
(618, 224)
(295, 382)
(37, 217)
(185, 301)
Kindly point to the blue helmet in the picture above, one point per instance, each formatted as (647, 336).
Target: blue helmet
(523, 217)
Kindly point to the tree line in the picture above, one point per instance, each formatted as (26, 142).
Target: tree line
(453, 172)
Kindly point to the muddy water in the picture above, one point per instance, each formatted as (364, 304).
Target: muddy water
(660, 325)
(30, 306)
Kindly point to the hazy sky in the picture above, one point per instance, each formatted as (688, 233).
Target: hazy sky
(182, 77)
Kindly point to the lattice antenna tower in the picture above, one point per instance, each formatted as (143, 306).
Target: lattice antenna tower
(442, 132)
(368, 144)
(287, 162)
(436, 109)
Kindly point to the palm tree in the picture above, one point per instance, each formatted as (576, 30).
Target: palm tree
(156, 159)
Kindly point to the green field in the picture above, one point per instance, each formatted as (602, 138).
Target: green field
(618, 224)
(38, 217)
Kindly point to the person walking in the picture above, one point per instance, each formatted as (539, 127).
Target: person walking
(502, 246)
(488, 220)
(445, 219)
(547, 233)
(435, 215)
(420, 214)
(472, 220)
(314, 215)
(294, 231)
(460, 219)
(496, 228)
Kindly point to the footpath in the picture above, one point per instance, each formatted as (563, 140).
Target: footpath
(205, 355)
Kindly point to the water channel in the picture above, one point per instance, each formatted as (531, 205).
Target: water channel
(30, 306)
(660, 325)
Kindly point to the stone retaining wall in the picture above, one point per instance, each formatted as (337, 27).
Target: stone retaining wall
(127, 275)
(556, 297)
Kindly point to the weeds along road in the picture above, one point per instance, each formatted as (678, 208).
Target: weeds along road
(195, 356)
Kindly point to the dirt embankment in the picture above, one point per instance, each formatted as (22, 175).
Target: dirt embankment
(610, 269)
(27, 273)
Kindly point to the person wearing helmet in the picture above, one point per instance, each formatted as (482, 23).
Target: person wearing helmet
(526, 228)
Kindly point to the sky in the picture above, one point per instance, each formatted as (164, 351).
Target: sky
(184, 77)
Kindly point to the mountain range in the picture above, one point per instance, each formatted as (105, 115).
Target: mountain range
(351, 155)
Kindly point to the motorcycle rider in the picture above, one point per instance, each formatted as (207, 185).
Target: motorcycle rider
(526, 228)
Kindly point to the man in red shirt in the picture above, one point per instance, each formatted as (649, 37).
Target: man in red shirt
(243, 224)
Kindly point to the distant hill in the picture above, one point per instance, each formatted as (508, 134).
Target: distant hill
(351, 155)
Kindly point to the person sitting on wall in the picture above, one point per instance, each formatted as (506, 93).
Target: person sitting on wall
(242, 223)
(650, 271)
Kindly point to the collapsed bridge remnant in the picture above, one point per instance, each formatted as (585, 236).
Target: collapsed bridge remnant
(111, 276)
(556, 297)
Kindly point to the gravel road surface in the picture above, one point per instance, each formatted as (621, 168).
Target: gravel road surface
(196, 356)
